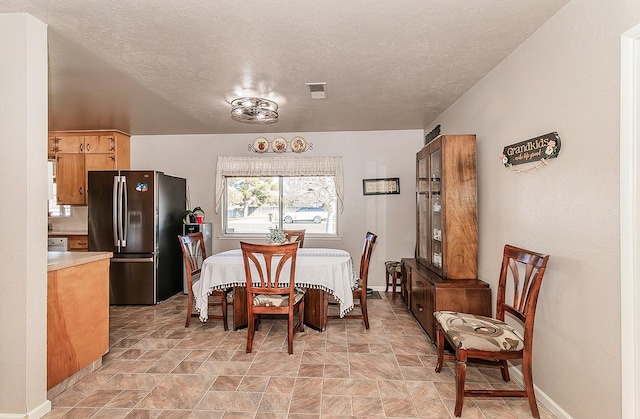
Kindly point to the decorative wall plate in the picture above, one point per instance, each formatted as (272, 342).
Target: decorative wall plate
(298, 144)
(260, 145)
(279, 145)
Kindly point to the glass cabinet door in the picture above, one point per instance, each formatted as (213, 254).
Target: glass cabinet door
(435, 208)
(422, 197)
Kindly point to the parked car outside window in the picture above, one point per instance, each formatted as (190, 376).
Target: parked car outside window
(306, 214)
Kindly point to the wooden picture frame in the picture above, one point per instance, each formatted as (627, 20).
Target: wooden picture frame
(383, 186)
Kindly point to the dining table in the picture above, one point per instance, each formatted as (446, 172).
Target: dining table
(318, 270)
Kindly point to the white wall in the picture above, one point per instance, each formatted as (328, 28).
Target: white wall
(375, 154)
(564, 78)
(23, 266)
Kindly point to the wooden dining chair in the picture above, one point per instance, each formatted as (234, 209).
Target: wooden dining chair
(491, 340)
(270, 271)
(295, 236)
(360, 293)
(194, 253)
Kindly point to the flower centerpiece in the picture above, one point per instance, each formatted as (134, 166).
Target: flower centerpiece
(276, 236)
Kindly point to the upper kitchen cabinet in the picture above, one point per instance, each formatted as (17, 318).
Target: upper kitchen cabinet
(78, 152)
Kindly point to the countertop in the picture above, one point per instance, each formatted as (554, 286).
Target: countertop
(61, 260)
(67, 232)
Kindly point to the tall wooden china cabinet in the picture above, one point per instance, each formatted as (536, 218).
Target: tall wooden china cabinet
(444, 273)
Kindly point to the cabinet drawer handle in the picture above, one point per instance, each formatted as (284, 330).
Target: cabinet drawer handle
(88, 147)
(81, 190)
(420, 308)
(81, 148)
(82, 243)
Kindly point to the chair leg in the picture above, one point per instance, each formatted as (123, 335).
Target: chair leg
(504, 370)
(189, 309)
(393, 291)
(290, 332)
(251, 328)
(363, 306)
(440, 348)
(224, 311)
(527, 375)
(325, 298)
(301, 315)
(461, 375)
(386, 288)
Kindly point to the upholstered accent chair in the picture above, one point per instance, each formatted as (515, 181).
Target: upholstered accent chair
(194, 253)
(270, 271)
(360, 293)
(394, 277)
(492, 340)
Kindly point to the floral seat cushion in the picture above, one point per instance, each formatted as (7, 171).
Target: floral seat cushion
(469, 331)
(393, 267)
(277, 300)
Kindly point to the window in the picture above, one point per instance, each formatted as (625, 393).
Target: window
(55, 210)
(295, 192)
(253, 204)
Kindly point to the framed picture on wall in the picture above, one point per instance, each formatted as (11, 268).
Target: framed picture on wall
(381, 186)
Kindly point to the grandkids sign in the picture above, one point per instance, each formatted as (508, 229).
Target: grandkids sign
(536, 149)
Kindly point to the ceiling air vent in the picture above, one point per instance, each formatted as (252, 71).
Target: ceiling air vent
(318, 90)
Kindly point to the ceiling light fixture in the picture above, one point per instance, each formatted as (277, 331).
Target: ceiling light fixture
(254, 110)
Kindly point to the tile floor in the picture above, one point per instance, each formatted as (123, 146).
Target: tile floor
(158, 369)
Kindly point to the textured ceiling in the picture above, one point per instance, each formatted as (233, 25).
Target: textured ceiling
(173, 66)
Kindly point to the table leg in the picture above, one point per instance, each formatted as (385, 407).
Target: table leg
(314, 309)
(239, 308)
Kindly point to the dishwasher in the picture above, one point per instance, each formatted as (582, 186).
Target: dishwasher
(57, 244)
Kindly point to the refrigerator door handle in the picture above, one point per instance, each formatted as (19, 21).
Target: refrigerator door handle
(124, 210)
(127, 260)
(116, 186)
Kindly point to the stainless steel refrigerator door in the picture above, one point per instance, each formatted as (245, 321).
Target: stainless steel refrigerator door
(103, 211)
(132, 280)
(139, 206)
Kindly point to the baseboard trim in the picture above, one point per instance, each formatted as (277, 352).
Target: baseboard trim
(36, 413)
(549, 404)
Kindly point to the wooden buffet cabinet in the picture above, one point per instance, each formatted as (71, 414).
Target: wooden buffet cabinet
(443, 274)
(78, 152)
(429, 293)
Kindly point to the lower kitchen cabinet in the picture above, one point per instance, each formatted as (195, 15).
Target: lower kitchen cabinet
(78, 243)
(77, 312)
(75, 242)
(428, 292)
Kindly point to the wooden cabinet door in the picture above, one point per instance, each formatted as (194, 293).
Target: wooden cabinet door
(97, 162)
(70, 144)
(99, 144)
(420, 302)
(70, 179)
(78, 243)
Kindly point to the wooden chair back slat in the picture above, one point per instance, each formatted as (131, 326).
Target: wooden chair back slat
(522, 271)
(260, 257)
(295, 236)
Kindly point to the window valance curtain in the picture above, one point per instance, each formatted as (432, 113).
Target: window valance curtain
(279, 166)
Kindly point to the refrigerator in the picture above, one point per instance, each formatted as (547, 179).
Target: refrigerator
(137, 215)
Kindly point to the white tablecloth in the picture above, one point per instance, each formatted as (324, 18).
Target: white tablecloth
(328, 269)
